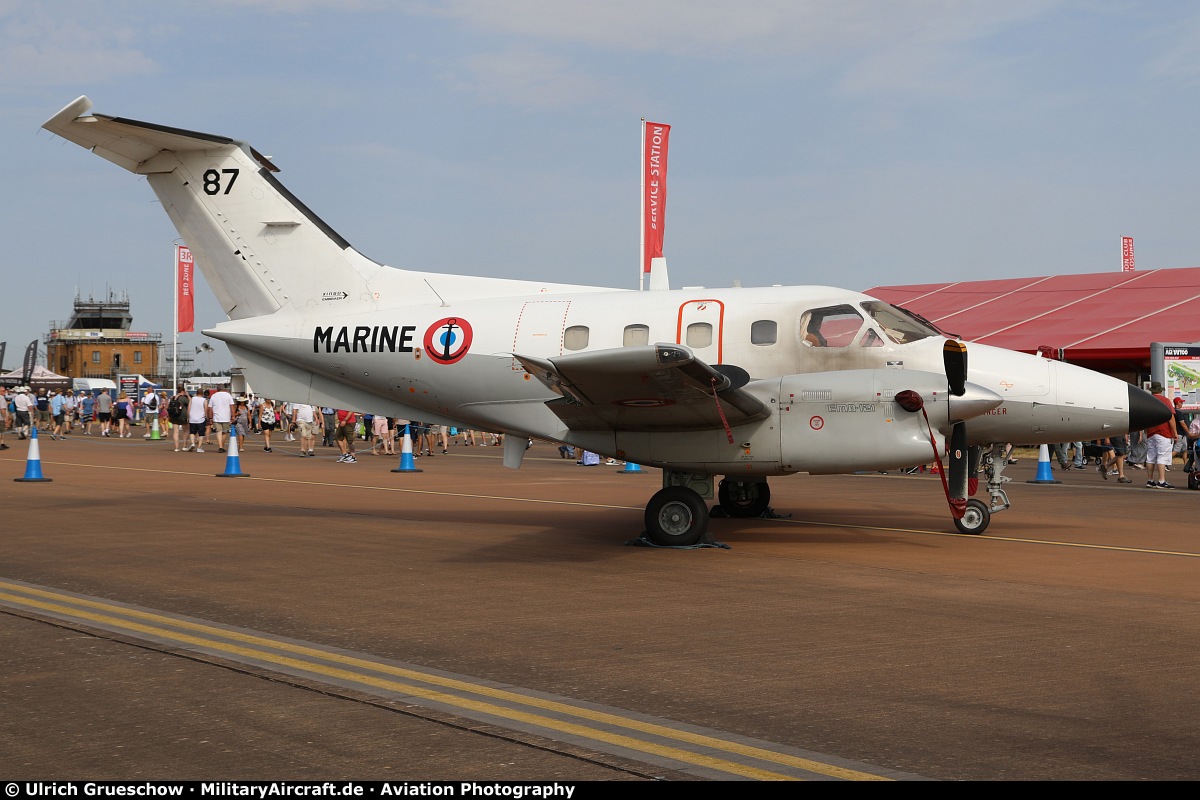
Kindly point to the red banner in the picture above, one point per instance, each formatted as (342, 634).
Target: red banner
(654, 182)
(185, 310)
(1127, 254)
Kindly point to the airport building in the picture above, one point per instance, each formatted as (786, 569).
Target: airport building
(98, 342)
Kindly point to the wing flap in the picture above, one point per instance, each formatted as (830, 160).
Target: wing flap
(645, 388)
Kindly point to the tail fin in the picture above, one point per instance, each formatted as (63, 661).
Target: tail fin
(258, 247)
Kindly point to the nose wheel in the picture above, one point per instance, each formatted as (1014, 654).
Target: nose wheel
(975, 518)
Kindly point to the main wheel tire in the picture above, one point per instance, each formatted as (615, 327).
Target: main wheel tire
(676, 517)
(975, 519)
(743, 498)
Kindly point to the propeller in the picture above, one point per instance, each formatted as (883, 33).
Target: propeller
(954, 355)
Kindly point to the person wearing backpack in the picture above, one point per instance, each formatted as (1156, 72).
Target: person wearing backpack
(149, 411)
(1193, 437)
(177, 414)
(1180, 447)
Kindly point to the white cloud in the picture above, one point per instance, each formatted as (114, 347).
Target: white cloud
(39, 47)
(525, 78)
(719, 29)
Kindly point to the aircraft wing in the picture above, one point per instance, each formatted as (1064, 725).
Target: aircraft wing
(660, 387)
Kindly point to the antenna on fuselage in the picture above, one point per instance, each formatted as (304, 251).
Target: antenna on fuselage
(435, 291)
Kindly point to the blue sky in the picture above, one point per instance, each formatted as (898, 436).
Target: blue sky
(842, 142)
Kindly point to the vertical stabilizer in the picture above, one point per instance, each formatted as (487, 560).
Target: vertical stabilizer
(258, 247)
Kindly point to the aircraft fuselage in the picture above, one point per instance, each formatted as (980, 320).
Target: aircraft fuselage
(454, 363)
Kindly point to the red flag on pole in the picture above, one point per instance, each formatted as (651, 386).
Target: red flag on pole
(185, 311)
(654, 182)
(1127, 254)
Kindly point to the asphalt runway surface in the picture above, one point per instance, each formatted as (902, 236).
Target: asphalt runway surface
(316, 620)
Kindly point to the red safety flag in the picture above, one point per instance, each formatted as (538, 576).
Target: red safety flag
(185, 310)
(654, 181)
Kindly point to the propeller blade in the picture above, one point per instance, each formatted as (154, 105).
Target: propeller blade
(957, 467)
(974, 456)
(954, 354)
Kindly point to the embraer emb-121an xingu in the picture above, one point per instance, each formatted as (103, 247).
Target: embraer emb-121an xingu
(740, 383)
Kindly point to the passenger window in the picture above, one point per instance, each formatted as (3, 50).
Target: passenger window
(699, 334)
(575, 337)
(635, 335)
(764, 332)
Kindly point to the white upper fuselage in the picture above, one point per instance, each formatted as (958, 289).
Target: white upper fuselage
(383, 349)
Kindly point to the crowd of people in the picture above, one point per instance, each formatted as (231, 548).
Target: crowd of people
(193, 420)
(1152, 451)
(198, 419)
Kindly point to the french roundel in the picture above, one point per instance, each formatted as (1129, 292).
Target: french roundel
(448, 340)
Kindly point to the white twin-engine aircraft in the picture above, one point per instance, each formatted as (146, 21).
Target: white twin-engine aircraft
(741, 383)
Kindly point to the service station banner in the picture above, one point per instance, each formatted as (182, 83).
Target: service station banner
(654, 181)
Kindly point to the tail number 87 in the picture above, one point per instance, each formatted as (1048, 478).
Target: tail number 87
(212, 180)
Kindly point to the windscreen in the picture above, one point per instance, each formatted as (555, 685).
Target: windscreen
(897, 324)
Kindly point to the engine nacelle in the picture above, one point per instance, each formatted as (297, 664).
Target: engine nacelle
(833, 422)
(823, 423)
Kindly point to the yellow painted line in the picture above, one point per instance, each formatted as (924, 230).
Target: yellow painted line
(450, 683)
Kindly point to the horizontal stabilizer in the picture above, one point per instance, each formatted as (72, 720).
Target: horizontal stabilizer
(129, 143)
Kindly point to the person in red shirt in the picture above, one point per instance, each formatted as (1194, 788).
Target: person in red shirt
(343, 435)
(1161, 442)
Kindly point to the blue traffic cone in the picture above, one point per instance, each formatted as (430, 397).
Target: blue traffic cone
(1044, 475)
(233, 464)
(406, 457)
(631, 469)
(33, 465)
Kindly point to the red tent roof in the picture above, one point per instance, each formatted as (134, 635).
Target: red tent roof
(1104, 320)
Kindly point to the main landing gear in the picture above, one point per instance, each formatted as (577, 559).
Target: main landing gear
(677, 515)
(743, 498)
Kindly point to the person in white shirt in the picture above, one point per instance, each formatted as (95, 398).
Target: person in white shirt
(306, 420)
(24, 406)
(3, 416)
(197, 416)
(221, 406)
(149, 411)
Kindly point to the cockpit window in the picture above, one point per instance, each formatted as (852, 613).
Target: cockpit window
(872, 339)
(897, 324)
(833, 326)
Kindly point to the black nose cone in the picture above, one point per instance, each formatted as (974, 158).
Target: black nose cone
(1146, 410)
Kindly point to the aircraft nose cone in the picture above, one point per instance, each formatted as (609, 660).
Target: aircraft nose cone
(1146, 410)
(974, 401)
